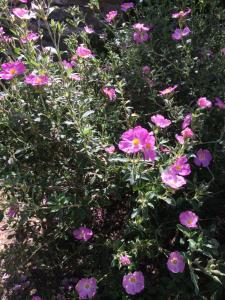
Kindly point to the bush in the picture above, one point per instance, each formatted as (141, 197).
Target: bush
(96, 183)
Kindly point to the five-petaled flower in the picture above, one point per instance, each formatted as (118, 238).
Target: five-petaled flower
(83, 233)
(86, 288)
(188, 219)
(133, 282)
(175, 262)
(12, 69)
(203, 158)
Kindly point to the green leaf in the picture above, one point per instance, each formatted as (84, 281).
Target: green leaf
(194, 279)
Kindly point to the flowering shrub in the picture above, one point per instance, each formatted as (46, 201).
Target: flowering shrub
(112, 155)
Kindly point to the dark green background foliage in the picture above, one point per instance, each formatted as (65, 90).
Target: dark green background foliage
(52, 149)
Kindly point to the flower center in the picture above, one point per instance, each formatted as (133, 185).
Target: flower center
(38, 80)
(12, 71)
(174, 261)
(136, 142)
(87, 286)
(189, 221)
(178, 167)
(133, 279)
(148, 146)
(201, 156)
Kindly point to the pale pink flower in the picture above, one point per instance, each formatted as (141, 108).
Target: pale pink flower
(168, 90)
(75, 76)
(149, 147)
(12, 69)
(110, 149)
(203, 102)
(31, 36)
(126, 6)
(89, 29)
(180, 33)
(83, 52)
(172, 180)
(187, 133)
(188, 219)
(86, 288)
(175, 262)
(110, 92)
(23, 13)
(179, 138)
(160, 121)
(140, 35)
(181, 167)
(23, 1)
(68, 64)
(141, 27)
(83, 233)
(133, 283)
(36, 80)
(111, 16)
(125, 260)
(181, 14)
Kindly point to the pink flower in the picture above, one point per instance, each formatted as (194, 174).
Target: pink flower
(89, 29)
(36, 80)
(83, 52)
(126, 6)
(180, 33)
(181, 167)
(67, 64)
(110, 92)
(171, 179)
(83, 233)
(111, 16)
(140, 37)
(203, 102)
(168, 90)
(223, 51)
(23, 1)
(12, 211)
(187, 121)
(146, 70)
(31, 36)
(149, 147)
(133, 283)
(179, 138)
(23, 13)
(141, 27)
(181, 14)
(219, 103)
(175, 262)
(187, 133)
(188, 219)
(12, 69)
(125, 260)
(133, 140)
(86, 288)
(75, 76)
(203, 158)
(160, 121)
(35, 297)
(110, 149)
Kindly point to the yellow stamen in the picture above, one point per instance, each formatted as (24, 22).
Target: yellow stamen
(136, 142)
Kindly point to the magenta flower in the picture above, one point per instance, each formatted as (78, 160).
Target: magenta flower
(86, 288)
(187, 121)
(36, 80)
(110, 149)
(203, 102)
(160, 121)
(185, 134)
(125, 260)
(180, 33)
(126, 6)
(23, 13)
(149, 147)
(203, 158)
(175, 262)
(31, 36)
(219, 103)
(181, 14)
(168, 90)
(111, 16)
(110, 92)
(12, 69)
(36, 298)
(141, 27)
(83, 233)
(89, 29)
(133, 140)
(83, 52)
(188, 219)
(181, 167)
(146, 70)
(171, 179)
(133, 283)
(12, 211)
(23, 1)
(68, 64)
